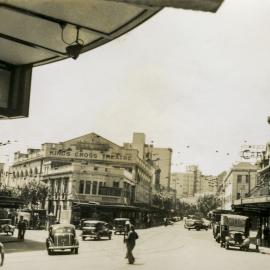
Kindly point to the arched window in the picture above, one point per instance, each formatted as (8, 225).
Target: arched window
(30, 172)
(36, 170)
(21, 174)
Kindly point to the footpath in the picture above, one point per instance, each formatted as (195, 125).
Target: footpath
(263, 250)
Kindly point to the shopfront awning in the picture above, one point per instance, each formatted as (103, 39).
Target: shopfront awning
(255, 205)
(10, 202)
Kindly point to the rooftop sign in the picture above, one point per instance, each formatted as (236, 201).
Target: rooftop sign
(252, 152)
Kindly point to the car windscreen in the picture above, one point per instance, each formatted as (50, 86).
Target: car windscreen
(64, 230)
(90, 225)
(5, 221)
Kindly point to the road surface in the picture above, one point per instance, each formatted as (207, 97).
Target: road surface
(160, 248)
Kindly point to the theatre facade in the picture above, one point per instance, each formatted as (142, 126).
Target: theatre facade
(86, 170)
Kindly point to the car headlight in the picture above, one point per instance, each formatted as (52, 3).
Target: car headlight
(227, 238)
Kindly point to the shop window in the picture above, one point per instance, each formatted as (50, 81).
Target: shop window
(94, 189)
(87, 187)
(81, 187)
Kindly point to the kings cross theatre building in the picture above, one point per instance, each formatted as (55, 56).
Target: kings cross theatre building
(92, 177)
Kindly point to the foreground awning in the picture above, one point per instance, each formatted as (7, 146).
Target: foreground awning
(40, 32)
(203, 5)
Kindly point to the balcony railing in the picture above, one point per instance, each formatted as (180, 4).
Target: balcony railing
(110, 191)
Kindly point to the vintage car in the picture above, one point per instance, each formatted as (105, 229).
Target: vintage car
(95, 229)
(120, 225)
(62, 237)
(234, 231)
(6, 227)
(207, 222)
(195, 223)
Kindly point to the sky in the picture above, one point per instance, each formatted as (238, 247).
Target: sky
(193, 81)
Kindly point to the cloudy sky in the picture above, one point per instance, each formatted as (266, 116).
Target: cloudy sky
(184, 78)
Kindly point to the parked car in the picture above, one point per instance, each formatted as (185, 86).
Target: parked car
(120, 225)
(234, 231)
(206, 222)
(195, 223)
(62, 237)
(95, 229)
(6, 226)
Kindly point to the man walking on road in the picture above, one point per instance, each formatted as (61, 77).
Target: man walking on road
(130, 243)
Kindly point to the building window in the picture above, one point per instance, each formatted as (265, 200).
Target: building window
(94, 189)
(95, 168)
(239, 179)
(81, 187)
(64, 205)
(66, 186)
(247, 178)
(116, 184)
(87, 187)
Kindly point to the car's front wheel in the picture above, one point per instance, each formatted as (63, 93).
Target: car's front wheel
(110, 237)
(49, 252)
(76, 250)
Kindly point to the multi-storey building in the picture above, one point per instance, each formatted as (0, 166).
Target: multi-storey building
(161, 158)
(183, 183)
(256, 203)
(86, 183)
(238, 183)
(198, 181)
(90, 149)
(88, 168)
(2, 166)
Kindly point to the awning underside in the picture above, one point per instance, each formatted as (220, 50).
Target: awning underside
(38, 32)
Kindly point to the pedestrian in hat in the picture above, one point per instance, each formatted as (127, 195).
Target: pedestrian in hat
(130, 244)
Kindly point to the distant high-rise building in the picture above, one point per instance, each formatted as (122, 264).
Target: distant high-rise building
(161, 158)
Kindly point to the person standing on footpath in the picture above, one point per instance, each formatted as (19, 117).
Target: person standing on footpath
(258, 238)
(130, 243)
(2, 252)
(21, 228)
(266, 235)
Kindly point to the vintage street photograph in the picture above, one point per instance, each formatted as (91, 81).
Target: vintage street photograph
(134, 134)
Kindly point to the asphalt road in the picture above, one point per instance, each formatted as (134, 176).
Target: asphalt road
(159, 248)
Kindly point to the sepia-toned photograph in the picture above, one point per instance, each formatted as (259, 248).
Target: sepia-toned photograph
(134, 134)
